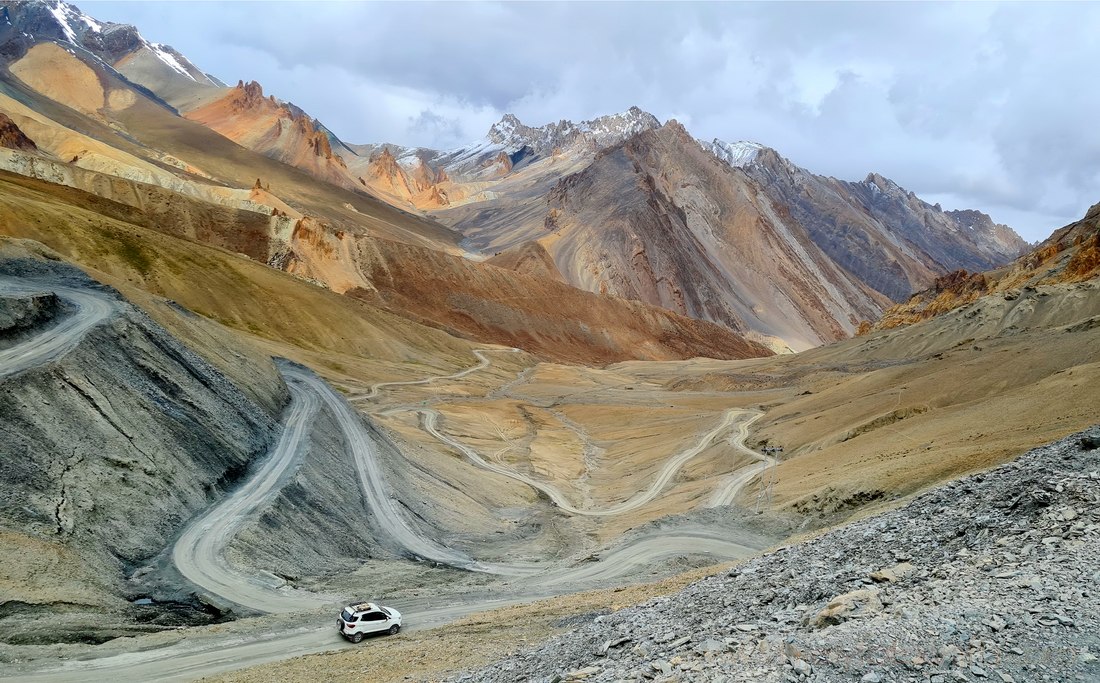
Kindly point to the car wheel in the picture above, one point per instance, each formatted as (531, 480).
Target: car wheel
(394, 629)
(357, 637)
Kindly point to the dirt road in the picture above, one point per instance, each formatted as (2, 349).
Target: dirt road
(199, 552)
(667, 473)
(728, 490)
(91, 308)
(483, 362)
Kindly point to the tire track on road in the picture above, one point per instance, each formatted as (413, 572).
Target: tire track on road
(199, 552)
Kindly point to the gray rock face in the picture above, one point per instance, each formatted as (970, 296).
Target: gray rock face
(994, 577)
(882, 233)
(19, 314)
(314, 527)
(110, 448)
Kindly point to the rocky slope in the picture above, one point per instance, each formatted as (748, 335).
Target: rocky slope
(659, 220)
(1071, 254)
(276, 129)
(857, 246)
(152, 66)
(532, 311)
(987, 578)
(882, 233)
(109, 450)
(12, 137)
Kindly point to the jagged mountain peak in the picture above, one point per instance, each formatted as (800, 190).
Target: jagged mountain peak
(597, 133)
(737, 154)
(877, 181)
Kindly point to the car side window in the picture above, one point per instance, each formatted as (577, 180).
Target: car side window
(374, 616)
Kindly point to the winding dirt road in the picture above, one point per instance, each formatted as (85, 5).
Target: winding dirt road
(483, 362)
(382, 505)
(727, 492)
(199, 551)
(667, 472)
(92, 308)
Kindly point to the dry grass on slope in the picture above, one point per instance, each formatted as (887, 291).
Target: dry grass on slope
(290, 316)
(872, 419)
(221, 157)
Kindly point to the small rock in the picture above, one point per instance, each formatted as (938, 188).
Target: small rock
(884, 576)
(710, 645)
(843, 607)
(893, 574)
(801, 666)
(947, 654)
(615, 642)
(872, 677)
(678, 642)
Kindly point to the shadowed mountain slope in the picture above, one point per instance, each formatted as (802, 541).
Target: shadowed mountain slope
(1071, 254)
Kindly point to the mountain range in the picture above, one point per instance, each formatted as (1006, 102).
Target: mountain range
(252, 373)
(626, 207)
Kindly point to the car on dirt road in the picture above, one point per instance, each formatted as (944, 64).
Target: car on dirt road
(357, 621)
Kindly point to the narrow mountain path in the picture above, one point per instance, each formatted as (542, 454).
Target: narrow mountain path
(64, 334)
(199, 552)
(734, 483)
(483, 362)
(664, 476)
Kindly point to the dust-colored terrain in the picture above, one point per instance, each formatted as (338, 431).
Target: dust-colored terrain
(274, 387)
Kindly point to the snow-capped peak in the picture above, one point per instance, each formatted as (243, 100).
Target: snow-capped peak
(737, 154)
(164, 53)
(599, 132)
(68, 17)
(110, 42)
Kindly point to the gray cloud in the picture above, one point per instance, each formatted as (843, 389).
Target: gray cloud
(987, 106)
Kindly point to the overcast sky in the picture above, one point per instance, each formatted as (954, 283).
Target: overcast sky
(987, 106)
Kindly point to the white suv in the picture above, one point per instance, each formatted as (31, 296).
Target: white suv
(357, 621)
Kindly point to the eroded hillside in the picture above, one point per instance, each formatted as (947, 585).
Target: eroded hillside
(1071, 254)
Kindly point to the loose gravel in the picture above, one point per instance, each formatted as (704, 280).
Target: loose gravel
(994, 577)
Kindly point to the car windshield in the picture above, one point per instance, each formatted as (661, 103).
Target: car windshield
(347, 616)
(388, 613)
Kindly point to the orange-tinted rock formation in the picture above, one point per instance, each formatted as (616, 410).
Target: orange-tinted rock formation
(12, 137)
